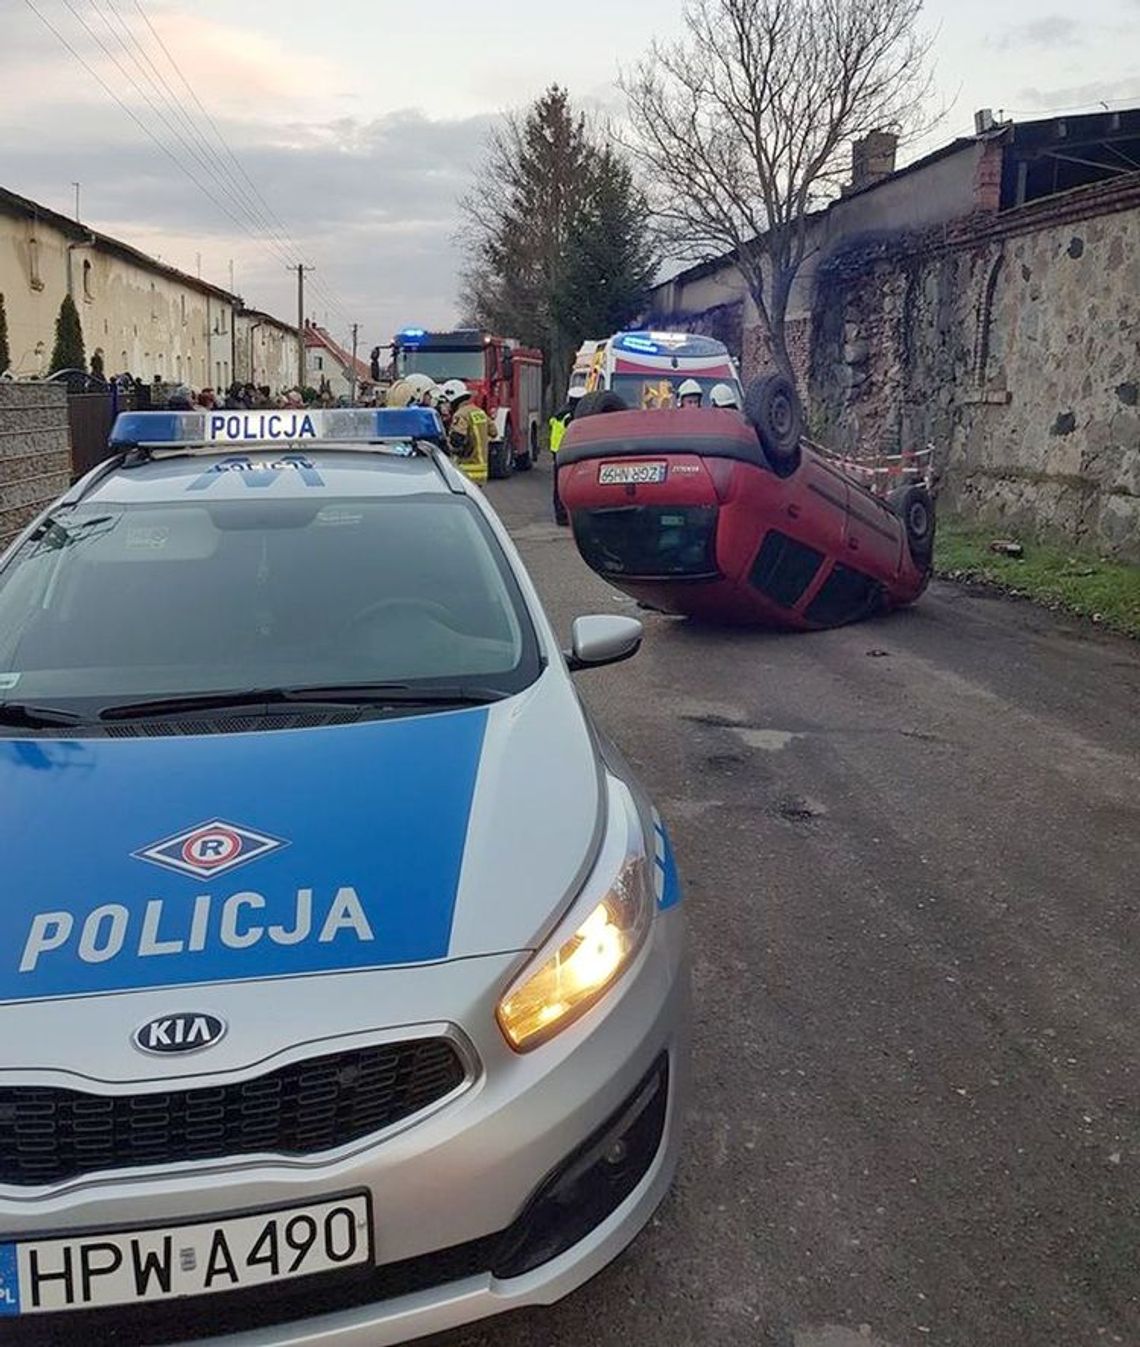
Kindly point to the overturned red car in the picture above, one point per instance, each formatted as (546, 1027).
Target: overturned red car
(732, 518)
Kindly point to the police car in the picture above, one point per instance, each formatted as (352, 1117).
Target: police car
(342, 962)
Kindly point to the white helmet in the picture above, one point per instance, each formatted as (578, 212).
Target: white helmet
(401, 394)
(419, 383)
(578, 391)
(724, 395)
(454, 390)
(689, 389)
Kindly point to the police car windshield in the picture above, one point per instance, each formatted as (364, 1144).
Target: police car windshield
(168, 599)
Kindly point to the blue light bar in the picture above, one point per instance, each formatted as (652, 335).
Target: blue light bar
(681, 344)
(411, 336)
(633, 341)
(204, 429)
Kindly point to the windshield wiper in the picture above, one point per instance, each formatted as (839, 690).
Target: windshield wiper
(335, 694)
(26, 716)
(395, 694)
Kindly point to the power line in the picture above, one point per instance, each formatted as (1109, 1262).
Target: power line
(229, 195)
(264, 220)
(154, 78)
(330, 296)
(178, 163)
(159, 112)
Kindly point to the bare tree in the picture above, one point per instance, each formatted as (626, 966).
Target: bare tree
(740, 129)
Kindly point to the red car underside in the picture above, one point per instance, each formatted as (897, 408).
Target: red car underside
(682, 511)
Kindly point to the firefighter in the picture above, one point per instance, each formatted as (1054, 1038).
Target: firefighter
(724, 396)
(558, 424)
(689, 394)
(468, 426)
(401, 394)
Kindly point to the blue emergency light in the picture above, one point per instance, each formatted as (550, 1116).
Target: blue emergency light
(682, 344)
(205, 429)
(411, 336)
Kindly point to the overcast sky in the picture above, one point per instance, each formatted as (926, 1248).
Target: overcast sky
(359, 121)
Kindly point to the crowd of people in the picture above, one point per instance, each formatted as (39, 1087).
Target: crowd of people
(248, 397)
(466, 425)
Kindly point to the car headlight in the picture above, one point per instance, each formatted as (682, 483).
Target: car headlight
(569, 980)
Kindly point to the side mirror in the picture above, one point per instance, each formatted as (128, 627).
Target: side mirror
(603, 639)
(507, 364)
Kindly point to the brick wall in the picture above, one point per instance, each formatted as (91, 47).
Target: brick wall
(1012, 343)
(35, 452)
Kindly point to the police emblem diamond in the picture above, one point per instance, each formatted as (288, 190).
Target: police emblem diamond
(210, 849)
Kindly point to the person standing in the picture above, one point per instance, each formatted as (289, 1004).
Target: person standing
(559, 423)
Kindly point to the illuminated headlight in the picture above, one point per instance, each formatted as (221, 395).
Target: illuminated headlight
(569, 979)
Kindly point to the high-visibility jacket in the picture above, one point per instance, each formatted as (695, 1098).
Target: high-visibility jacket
(469, 436)
(558, 427)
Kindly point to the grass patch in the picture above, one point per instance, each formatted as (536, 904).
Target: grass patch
(1106, 591)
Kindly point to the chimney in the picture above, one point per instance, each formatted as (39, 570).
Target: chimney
(873, 158)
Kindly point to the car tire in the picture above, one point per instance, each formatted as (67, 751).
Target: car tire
(521, 461)
(501, 457)
(599, 403)
(773, 410)
(914, 505)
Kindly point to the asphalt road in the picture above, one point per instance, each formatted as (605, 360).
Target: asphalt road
(912, 858)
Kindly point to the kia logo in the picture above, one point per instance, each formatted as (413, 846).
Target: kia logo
(179, 1033)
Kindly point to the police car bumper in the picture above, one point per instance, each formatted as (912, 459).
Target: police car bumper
(516, 1191)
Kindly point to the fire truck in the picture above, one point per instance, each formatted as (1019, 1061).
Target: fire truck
(505, 379)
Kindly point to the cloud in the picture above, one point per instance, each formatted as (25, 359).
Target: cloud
(1050, 30)
(371, 204)
(233, 70)
(1090, 97)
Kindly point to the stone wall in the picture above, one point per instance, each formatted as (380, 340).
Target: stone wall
(723, 322)
(758, 351)
(35, 452)
(1010, 342)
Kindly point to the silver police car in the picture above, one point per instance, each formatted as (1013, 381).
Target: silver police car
(342, 960)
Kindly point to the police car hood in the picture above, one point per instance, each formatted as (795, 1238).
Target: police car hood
(177, 862)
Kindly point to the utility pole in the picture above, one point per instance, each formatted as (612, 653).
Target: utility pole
(352, 383)
(301, 372)
(76, 186)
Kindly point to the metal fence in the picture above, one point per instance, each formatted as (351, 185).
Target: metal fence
(90, 415)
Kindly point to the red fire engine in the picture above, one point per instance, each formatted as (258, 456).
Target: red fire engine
(505, 379)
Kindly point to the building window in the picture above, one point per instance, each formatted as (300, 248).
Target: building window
(320, 362)
(182, 304)
(87, 293)
(178, 368)
(34, 277)
(153, 302)
(106, 328)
